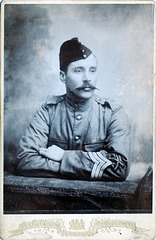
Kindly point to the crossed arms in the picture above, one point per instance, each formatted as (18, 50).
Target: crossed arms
(110, 163)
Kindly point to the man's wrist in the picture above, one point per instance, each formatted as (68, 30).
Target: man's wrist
(62, 152)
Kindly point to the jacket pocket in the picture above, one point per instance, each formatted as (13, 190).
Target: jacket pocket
(94, 147)
(58, 143)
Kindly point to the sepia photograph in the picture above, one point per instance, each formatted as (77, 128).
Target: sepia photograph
(78, 108)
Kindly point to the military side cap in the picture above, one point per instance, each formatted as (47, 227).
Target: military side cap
(72, 50)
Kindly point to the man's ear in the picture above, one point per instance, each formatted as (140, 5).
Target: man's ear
(62, 76)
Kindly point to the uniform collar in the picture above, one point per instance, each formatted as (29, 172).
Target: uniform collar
(82, 106)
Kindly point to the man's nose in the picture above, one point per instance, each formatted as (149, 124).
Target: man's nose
(86, 77)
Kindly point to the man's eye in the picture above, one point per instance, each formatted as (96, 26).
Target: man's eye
(93, 70)
(77, 70)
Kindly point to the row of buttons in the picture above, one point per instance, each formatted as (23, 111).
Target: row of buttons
(78, 117)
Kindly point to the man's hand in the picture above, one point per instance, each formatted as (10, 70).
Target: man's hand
(53, 152)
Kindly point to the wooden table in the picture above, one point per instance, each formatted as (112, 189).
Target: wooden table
(51, 195)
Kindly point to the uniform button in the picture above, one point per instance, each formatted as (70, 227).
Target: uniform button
(84, 55)
(83, 50)
(79, 117)
(98, 99)
(76, 138)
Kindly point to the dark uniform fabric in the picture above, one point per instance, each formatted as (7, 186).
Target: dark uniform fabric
(94, 135)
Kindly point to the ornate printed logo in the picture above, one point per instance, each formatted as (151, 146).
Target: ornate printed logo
(76, 225)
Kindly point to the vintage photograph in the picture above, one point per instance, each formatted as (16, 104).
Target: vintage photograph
(78, 108)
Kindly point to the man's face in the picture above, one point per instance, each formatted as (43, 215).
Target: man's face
(81, 77)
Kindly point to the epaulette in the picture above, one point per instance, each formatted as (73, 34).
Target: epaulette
(103, 101)
(107, 102)
(54, 99)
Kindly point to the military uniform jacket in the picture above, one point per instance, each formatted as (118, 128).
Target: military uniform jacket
(94, 135)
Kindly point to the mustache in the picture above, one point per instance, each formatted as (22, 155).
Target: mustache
(85, 85)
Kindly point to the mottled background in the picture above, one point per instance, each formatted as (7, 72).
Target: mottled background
(121, 36)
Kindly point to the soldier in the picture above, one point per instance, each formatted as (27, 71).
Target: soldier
(77, 135)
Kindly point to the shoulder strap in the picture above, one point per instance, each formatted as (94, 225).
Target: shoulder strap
(54, 99)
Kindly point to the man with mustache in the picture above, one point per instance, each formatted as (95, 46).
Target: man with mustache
(77, 135)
